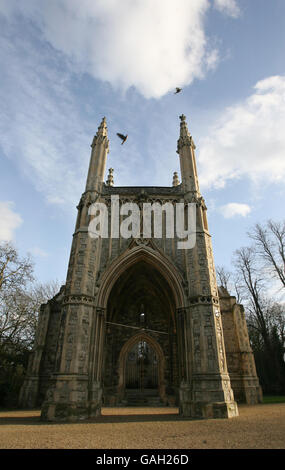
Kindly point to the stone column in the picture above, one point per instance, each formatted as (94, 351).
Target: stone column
(67, 399)
(96, 362)
(205, 390)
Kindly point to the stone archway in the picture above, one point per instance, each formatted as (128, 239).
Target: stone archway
(152, 257)
(128, 346)
(142, 277)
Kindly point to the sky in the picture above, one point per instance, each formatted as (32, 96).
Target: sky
(64, 67)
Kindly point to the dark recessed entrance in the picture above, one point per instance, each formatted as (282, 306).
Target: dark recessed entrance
(141, 368)
(141, 345)
(141, 375)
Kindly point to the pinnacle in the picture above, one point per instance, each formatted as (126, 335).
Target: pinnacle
(184, 132)
(175, 181)
(101, 134)
(110, 180)
(102, 129)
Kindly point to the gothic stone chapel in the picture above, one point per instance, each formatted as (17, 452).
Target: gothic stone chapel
(139, 321)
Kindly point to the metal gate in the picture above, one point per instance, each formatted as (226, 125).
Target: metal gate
(141, 367)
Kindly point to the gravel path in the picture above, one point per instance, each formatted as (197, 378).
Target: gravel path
(257, 427)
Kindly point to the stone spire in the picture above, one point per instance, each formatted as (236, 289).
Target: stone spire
(100, 149)
(186, 151)
(110, 180)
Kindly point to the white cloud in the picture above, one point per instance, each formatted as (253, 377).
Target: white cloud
(229, 7)
(39, 252)
(233, 209)
(9, 220)
(154, 45)
(40, 124)
(45, 128)
(248, 139)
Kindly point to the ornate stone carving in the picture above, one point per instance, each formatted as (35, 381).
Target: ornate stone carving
(101, 311)
(100, 139)
(204, 299)
(185, 141)
(78, 299)
(87, 198)
(142, 241)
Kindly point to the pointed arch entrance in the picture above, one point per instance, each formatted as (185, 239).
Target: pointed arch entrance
(151, 256)
(142, 368)
(141, 294)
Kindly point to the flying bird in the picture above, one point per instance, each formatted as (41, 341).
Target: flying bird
(123, 137)
(177, 90)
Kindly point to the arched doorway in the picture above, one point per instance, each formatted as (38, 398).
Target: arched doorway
(142, 371)
(141, 368)
(141, 356)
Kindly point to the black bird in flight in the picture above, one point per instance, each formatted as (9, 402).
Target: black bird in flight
(123, 137)
(177, 90)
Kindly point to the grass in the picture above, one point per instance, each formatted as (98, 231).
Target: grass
(273, 399)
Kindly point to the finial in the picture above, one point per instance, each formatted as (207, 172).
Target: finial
(102, 129)
(175, 181)
(110, 180)
(101, 134)
(185, 136)
(103, 122)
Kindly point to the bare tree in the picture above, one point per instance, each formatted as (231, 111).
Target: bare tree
(19, 310)
(40, 293)
(15, 272)
(252, 285)
(229, 281)
(265, 316)
(20, 301)
(223, 277)
(17, 320)
(20, 298)
(270, 246)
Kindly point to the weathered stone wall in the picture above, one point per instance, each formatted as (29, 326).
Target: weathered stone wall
(42, 359)
(47, 366)
(112, 248)
(240, 359)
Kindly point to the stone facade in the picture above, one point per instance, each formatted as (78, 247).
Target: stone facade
(240, 359)
(139, 320)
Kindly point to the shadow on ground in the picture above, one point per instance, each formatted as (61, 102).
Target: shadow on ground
(12, 418)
